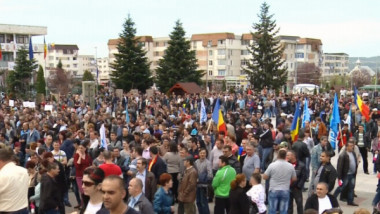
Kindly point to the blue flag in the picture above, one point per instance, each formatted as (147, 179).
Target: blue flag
(103, 141)
(203, 116)
(31, 56)
(334, 122)
(215, 113)
(306, 114)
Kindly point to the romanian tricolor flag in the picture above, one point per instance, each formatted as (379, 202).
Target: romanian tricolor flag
(45, 49)
(294, 129)
(221, 124)
(364, 109)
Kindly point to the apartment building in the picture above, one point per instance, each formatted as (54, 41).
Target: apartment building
(15, 37)
(104, 70)
(335, 64)
(223, 56)
(86, 62)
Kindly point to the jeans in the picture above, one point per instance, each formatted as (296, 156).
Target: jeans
(376, 199)
(202, 201)
(278, 198)
(364, 153)
(307, 165)
(295, 194)
(267, 112)
(76, 190)
(349, 182)
(266, 153)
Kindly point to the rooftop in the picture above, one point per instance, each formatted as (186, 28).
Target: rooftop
(23, 29)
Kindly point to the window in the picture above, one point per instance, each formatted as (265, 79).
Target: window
(242, 72)
(75, 65)
(300, 47)
(221, 62)
(244, 52)
(156, 53)
(157, 44)
(210, 53)
(221, 72)
(300, 55)
(210, 72)
(291, 65)
(142, 44)
(221, 52)
(195, 45)
(210, 62)
(220, 42)
(74, 58)
(2, 38)
(51, 57)
(244, 42)
(51, 65)
(244, 62)
(165, 44)
(231, 53)
(209, 44)
(22, 39)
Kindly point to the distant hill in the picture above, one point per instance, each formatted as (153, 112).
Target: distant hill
(368, 61)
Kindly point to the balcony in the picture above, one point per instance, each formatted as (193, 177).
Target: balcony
(10, 47)
(3, 65)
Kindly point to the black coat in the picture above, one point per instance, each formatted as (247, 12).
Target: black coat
(239, 202)
(312, 202)
(49, 197)
(301, 150)
(158, 168)
(328, 175)
(300, 169)
(344, 165)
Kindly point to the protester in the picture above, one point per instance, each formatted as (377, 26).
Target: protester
(187, 188)
(92, 184)
(163, 199)
(137, 199)
(239, 202)
(257, 194)
(321, 200)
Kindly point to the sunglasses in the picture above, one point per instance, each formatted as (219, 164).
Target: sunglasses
(88, 184)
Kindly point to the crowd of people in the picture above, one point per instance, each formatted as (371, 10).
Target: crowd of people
(140, 153)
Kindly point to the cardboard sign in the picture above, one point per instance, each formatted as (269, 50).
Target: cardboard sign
(48, 108)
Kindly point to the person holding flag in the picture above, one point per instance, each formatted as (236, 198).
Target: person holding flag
(334, 122)
(364, 109)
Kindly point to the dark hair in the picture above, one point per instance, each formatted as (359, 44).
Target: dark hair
(143, 161)
(139, 150)
(224, 159)
(327, 153)
(48, 155)
(30, 165)
(153, 150)
(118, 180)
(227, 147)
(173, 147)
(282, 154)
(96, 174)
(256, 176)
(76, 141)
(165, 178)
(238, 179)
(52, 165)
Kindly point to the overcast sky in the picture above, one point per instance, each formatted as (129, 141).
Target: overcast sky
(346, 26)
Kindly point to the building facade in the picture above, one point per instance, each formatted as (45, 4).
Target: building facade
(223, 56)
(86, 62)
(16, 37)
(335, 64)
(104, 70)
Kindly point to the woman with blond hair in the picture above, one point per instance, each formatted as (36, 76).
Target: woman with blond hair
(239, 202)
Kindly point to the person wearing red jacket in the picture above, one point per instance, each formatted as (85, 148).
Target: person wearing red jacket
(343, 136)
(81, 161)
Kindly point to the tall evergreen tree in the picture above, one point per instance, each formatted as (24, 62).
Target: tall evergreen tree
(131, 66)
(179, 63)
(23, 72)
(265, 68)
(40, 83)
(87, 76)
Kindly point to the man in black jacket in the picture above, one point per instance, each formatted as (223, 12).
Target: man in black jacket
(322, 192)
(296, 187)
(325, 173)
(50, 200)
(266, 143)
(346, 169)
(232, 160)
(300, 148)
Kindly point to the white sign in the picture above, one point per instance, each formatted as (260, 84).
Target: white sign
(11, 103)
(48, 107)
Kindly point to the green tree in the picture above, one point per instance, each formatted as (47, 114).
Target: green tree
(87, 76)
(40, 83)
(19, 80)
(265, 68)
(131, 66)
(179, 63)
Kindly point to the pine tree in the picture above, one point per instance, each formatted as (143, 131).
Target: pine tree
(87, 76)
(131, 66)
(40, 83)
(265, 68)
(23, 72)
(179, 63)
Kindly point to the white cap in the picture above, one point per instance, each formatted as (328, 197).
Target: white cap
(248, 126)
